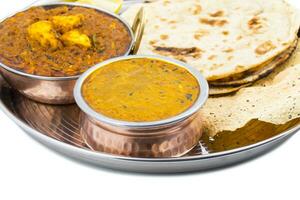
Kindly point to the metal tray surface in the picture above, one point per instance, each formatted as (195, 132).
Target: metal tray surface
(57, 128)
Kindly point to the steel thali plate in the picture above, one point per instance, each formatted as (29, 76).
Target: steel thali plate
(57, 127)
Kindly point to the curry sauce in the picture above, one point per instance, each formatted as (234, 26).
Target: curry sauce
(61, 40)
(140, 90)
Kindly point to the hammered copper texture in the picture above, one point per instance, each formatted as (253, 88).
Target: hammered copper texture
(171, 141)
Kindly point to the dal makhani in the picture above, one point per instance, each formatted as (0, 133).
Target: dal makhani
(140, 90)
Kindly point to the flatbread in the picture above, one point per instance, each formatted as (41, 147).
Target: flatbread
(218, 37)
(275, 100)
(222, 90)
(254, 75)
(280, 71)
(225, 90)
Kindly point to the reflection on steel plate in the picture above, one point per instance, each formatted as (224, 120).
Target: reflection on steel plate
(61, 123)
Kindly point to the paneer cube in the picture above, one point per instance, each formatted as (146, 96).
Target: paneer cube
(43, 32)
(74, 37)
(67, 23)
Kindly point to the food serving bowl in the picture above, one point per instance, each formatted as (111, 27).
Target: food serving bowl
(170, 137)
(59, 90)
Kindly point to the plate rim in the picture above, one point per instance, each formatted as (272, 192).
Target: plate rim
(64, 145)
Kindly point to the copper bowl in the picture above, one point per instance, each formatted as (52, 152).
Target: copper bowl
(52, 90)
(172, 137)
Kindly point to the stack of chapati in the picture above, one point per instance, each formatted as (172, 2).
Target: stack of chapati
(232, 42)
(274, 99)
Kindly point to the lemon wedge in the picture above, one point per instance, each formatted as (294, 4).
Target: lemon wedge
(110, 5)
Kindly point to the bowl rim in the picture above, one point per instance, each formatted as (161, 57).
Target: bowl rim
(202, 98)
(62, 78)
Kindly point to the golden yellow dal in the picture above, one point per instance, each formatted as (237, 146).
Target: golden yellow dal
(140, 90)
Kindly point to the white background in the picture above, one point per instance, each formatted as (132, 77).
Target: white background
(30, 171)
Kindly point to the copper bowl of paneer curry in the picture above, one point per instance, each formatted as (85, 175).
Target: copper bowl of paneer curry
(141, 106)
(44, 49)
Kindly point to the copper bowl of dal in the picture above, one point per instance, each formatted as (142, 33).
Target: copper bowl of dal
(130, 117)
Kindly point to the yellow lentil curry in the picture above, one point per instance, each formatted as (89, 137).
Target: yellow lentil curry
(140, 90)
(61, 41)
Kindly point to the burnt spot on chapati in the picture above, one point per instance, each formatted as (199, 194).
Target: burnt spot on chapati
(201, 33)
(255, 23)
(225, 32)
(153, 42)
(228, 50)
(172, 22)
(164, 37)
(219, 13)
(212, 57)
(196, 10)
(174, 51)
(264, 48)
(213, 22)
